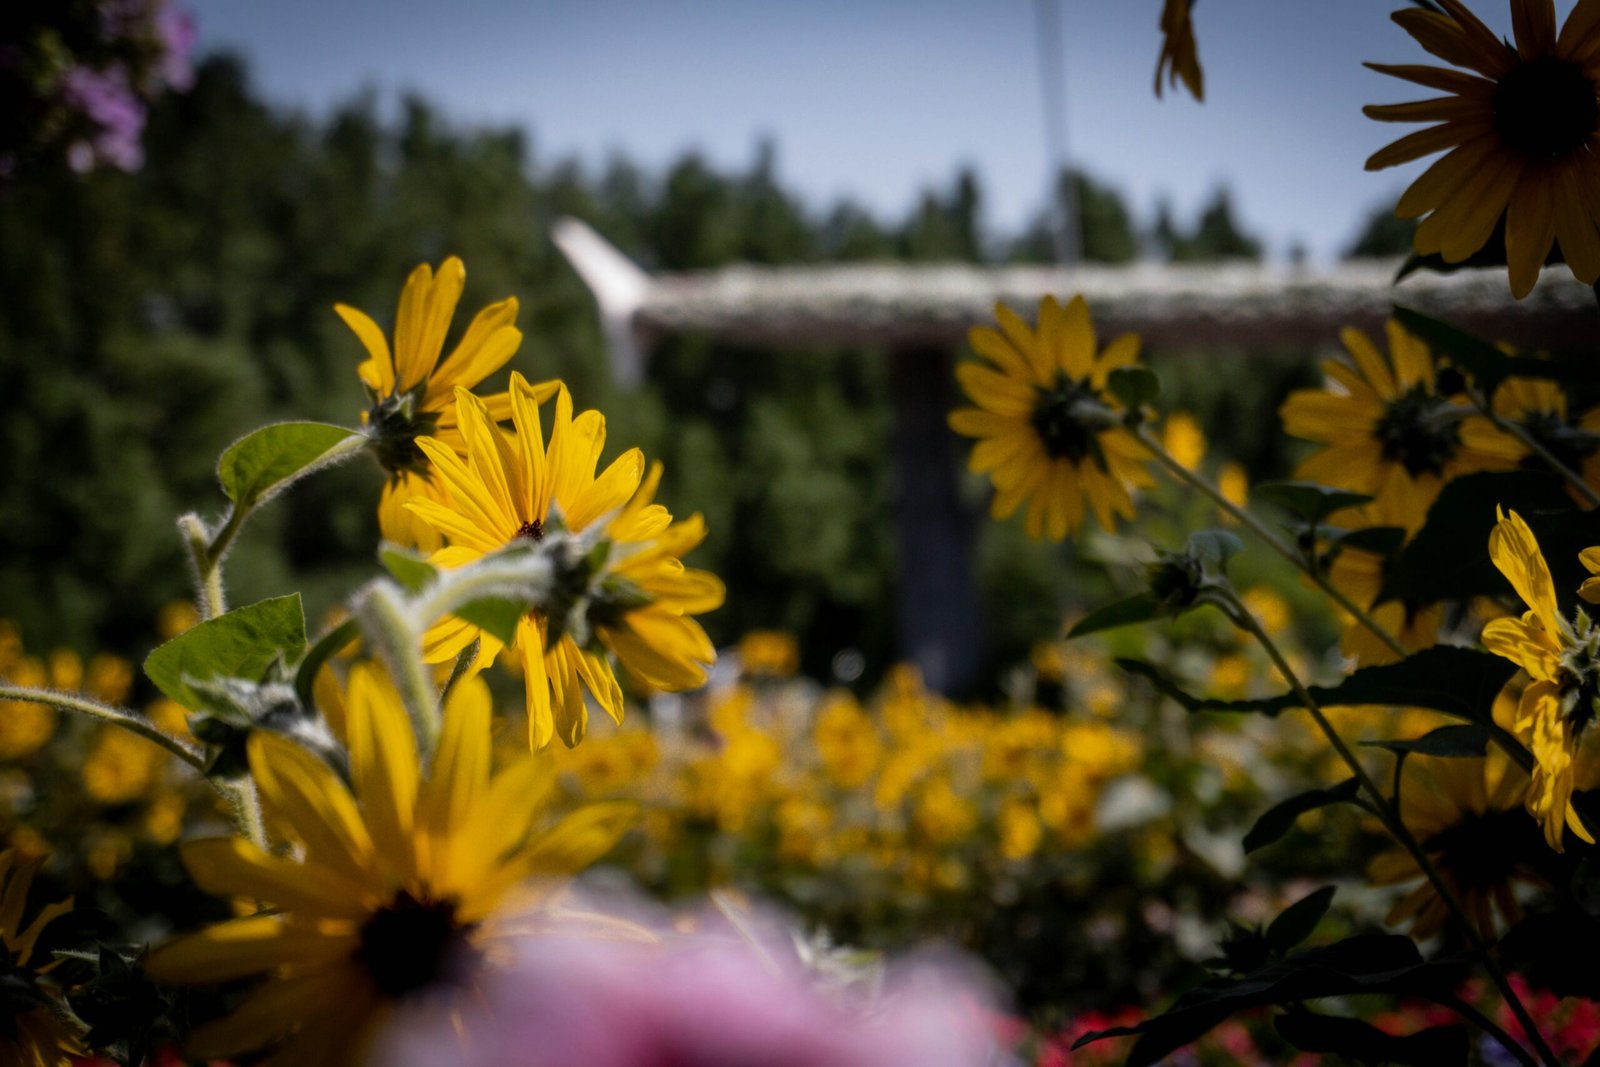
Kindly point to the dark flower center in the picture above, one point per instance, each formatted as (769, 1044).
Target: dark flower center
(1545, 108)
(1568, 444)
(1418, 430)
(1476, 852)
(395, 423)
(530, 531)
(410, 944)
(1059, 418)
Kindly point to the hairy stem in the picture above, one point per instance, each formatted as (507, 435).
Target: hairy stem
(209, 595)
(131, 721)
(387, 627)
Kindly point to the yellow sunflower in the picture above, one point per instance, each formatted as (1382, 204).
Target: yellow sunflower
(412, 389)
(659, 643)
(31, 1035)
(512, 489)
(1179, 57)
(1048, 432)
(1386, 429)
(1539, 406)
(401, 886)
(1522, 132)
(1457, 810)
(1563, 659)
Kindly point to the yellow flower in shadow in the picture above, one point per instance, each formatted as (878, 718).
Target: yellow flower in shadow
(1520, 129)
(1384, 427)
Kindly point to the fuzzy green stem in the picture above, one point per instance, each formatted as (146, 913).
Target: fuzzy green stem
(245, 802)
(386, 625)
(524, 579)
(209, 595)
(1392, 821)
(1269, 538)
(241, 795)
(131, 721)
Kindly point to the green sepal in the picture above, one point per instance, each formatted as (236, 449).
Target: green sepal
(1141, 607)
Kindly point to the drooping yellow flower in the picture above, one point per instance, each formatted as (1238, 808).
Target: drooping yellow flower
(1456, 809)
(1562, 658)
(412, 389)
(1520, 129)
(35, 1036)
(1046, 427)
(515, 488)
(1385, 428)
(1179, 57)
(402, 884)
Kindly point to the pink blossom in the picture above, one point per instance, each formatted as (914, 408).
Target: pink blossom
(700, 1000)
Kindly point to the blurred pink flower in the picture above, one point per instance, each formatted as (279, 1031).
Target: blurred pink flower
(696, 1000)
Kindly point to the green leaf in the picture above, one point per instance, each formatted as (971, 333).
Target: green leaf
(266, 462)
(1295, 923)
(1463, 682)
(327, 646)
(1134, 387)
(410, 569)
(1368, 963)
(1140, 608)
(1361, 1042)
(1448, 559)
(241, 644)
(1382, 541)
(496, 616)
(1460, 681)
(1215, 547)
(1308, 500)
(1459, 740)
(1278, 819)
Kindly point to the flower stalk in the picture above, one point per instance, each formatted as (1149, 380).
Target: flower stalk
(1267, 537)
(1386, 812)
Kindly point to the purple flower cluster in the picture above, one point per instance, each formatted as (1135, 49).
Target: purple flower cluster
(89, 105)
(116, 113)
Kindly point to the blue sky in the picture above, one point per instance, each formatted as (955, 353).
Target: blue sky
(878, 99)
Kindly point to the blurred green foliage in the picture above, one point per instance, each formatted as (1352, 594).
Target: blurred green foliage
(151, 318)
